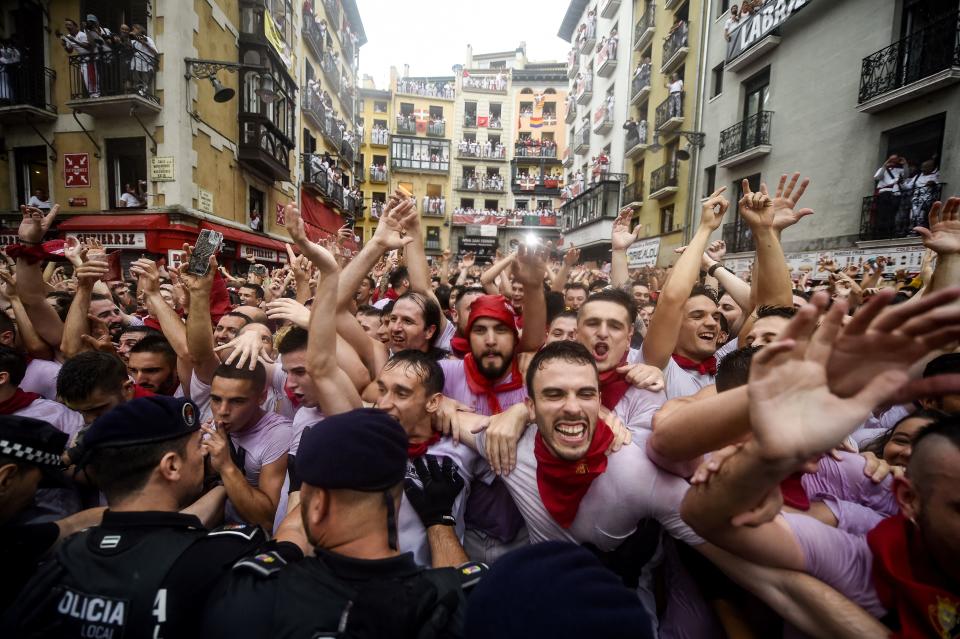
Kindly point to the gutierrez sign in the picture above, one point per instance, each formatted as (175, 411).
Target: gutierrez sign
(761, 23)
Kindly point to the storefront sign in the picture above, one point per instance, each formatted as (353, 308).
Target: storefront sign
(77, 201)
(761, 23)
(76, 170)
(262, 254)
(643, 253)
(175, 258)
(161, 169)
(114, 240)
(477, 242)
(205, 201)
(906, 258)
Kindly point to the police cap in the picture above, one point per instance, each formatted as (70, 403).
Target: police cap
(31, 441)
(145, 420)
(364, 449)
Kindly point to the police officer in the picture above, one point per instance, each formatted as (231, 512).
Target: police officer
(143, 572)
(30, 457)
(357, 584)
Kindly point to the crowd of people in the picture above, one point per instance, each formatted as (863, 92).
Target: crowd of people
(368, 443)
(739, 13)
(487, 149)
(111, 62)
(531, 147)
(425, 88)
(492, 82)
(607, 47)
(904, 192)
(483, 181)
(517, 213)
(587, 30)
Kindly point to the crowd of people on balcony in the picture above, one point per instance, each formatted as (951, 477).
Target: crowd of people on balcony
(536, 148)
(111, 63)
(903, 194)
(738, 14)
(608, 45)
(582, 83)
(506, 213)
(491, 82)
(379, 134)
(434, 205)
(636, 132)
(426, 88)
(587, 29)
(378, 172)
(483, 182)
(677, 36)
(474, 149)
(530, 180)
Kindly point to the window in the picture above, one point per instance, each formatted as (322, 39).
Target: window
(420, 154)
(257, 201)
(709, 180)
(526, 107)
(32, 173)
(436, 113)
(406, 108)
(521, 205)
(723, 6)
(545, 205)
(379, 107)
(756, 92)
(113, 13)
(917, 141)
(717, 84)
(127, 168)
(491, 204)
(433, 238)
(666, 220)
(466, 202)
(309, 142)
(380, 123)
(549, 109)
(547, 135)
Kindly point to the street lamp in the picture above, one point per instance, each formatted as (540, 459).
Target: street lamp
(199, 69)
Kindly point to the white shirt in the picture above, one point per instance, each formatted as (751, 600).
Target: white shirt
(41, 378)
(888, 179)
(678, 382)
(129, 199)
(276, 402)
(56, 414)
(676, 87)
(636, 408)
(38, 203)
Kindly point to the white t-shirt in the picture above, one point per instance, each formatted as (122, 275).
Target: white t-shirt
(888, 179)
(276, 401)
(129, 199)
(41, 378)
(678, 382)
(37, 202)
(636, 408)
(56, 414)
(676, 87)
(444, 340)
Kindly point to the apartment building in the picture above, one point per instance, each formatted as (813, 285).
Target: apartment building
(375, 108)
(143, 151)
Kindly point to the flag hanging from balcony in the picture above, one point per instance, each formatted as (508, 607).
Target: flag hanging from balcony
(276, 39)
(483, 121)
(536, 121)
(422, 118)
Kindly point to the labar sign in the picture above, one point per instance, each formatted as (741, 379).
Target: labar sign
(114, 240)
(267, 255)
(759, 25)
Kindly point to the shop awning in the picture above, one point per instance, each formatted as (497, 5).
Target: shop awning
(243, 237)
(115, 222)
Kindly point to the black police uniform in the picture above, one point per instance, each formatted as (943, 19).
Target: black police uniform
(331, 595)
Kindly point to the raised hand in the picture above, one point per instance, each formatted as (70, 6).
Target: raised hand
(35, 223)
(147, 274)
(785, 212)
(468, 260)
(530, 265)
(319, 256)
(756, 207)
(393, 224)
(713, 209)
(793, 411)
(90, 272)
(246, 349)
(716, 250)
(572, 257)
(621, 237)
(288, 310)
(197, 283)
(73, 251)
(943, 236)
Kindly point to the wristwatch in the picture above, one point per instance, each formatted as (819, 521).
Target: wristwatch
(713, 269)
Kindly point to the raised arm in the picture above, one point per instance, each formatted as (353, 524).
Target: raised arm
(943, 237)
(664, 330)
(727, 280)
(336, 392)
(199, 330)
(570, 259)
(31, 341)
(621, 238)
(77, 323)
(488, 280)
(773, 282)
(148, 284)
(417, 269)
(529, 268)
(33, 226)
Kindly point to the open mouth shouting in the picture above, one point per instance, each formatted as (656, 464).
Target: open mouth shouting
(600, 351)
(571, 433)
(707, 336)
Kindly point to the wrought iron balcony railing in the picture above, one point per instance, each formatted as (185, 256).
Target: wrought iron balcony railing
(746, 134)
(28, 85)
(643, 30)
(669, 109)
(663, 177)
(436, 128)
(406, 125)
(534, 151)
(738, 237)
(887, 216)
(674, 43)
(640, 81)
(108, 74)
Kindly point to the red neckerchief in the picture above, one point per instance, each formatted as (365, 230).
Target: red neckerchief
(613, 385)
(459, 346)
(479, 384)
(416, 450)
(562, 484)
(706, 367)
(794, 494)
(139, 391)
(18, 401)
(907, 581)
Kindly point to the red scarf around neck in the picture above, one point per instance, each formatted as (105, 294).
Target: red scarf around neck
(706, 367)
(794, 494)
(907, 581)
(18, 401)
(459, 346)
(416, 450)
(562, 484)
(479, 384)
(613, 385)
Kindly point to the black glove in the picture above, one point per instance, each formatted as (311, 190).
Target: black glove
(433, 490)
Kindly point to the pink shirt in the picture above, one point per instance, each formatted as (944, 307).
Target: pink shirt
(263, 443)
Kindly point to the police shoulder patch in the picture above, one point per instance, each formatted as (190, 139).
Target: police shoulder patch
(246, 531)
(262, 564)
(471, 573)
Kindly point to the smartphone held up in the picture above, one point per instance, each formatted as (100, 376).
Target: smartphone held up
(208, 243)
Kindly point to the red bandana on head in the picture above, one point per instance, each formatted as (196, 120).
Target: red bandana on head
(562, 484)
(18, 401)
(416, 450)
(907, 581)
(494, 307)
(706, 367)
(613, 385)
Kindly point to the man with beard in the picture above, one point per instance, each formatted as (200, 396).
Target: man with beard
(152, 364)
(147, 569)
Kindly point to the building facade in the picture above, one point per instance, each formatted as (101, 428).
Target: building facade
(375, 107)
(142, 149)
(885, 82)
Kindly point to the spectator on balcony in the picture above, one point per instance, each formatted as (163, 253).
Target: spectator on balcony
(610, 102)
(925, 190)
(612, 42)
(9, 60)
(675, 103)
(591, 23)
(632, 127)
(143, 63)
(75, 43)
(100, 39)
(889, 185)
(643, 69)
(732, 22)
(40, 199)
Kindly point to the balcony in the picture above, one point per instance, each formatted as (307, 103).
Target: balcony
(675, 50)
(606, 63)
(360, 175)
(567, 157)
(585, 89)
(640, 85)
(333, 11)
(924, 61)
(571, 115)
(581, 141)
(633, 192)
(315, 176)
(599, 201)
(436, 128)
(635, 142)
(426, 88)
(263, 147)
(378, 174)
(432, 245)
(313, 37)
(609, 8)
(738, 237)
(102, 85)
(379, 137)
(669, 114)
(480, 184)
(495, 123)
(28, 94)
(644, 29)
(663, 182)
(474, 151)
(536, 185)
(484, 83)
(331, 72)
(888, 217)
(347, 152)
(754, 52)
(469, 121)
(746, 140)
(538, 150)
(406, 125)
(602, 120)
(573, 63)
(587, 36)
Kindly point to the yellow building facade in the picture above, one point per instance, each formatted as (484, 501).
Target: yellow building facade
(376, 107)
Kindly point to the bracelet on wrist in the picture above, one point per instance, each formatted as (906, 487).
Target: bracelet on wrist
(30, 243)
(713, 269)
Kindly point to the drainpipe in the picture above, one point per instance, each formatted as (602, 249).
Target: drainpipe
(693, 200)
